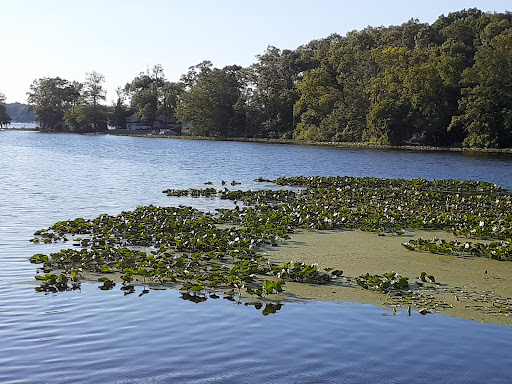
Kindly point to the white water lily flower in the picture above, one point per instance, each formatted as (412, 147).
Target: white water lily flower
(481, 224)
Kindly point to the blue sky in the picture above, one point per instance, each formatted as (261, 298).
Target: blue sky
(121, 38)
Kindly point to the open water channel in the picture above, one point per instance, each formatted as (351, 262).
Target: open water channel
(94, 336)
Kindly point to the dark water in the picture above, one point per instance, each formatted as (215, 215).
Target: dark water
(93, 336)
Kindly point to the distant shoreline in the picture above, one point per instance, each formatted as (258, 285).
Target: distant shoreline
(27, 125)
(30, 129)
(319, 143)
(354, 145)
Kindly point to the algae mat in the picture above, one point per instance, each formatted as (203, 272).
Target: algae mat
(467, 287)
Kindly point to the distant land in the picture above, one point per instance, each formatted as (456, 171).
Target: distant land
(20, 113)
(448, 84)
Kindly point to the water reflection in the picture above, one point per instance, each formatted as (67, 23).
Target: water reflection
(269, 307)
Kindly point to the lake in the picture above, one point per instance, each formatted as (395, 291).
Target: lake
(92, 336)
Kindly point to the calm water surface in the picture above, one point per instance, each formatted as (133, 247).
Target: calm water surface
(93, 336)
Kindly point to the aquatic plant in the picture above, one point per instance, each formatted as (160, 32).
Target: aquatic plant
(204, 253)
(303, 272)
(56, 283)
(498, 250)
(425, 277)
(271, 286)
(388, 282)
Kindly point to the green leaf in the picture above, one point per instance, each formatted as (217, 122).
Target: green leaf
(269, 286)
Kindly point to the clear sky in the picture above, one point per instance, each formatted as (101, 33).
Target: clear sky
(121, 38)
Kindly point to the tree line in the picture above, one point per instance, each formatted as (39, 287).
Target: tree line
(20, 113)
(444, 84)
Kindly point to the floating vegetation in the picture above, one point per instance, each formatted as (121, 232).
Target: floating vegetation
(302, 272)
(205, 254)
(56, 283)
(466, 208)
(498, 250)
(386, 283)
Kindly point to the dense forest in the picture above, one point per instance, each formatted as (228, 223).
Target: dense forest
(445, 84)
(20, 113)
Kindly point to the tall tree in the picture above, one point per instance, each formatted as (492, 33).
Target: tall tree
(4, 117)
(318, 95)
(486, 104)
(94, 92)
(274, 77)
(120, 110)
(387, 116)
(210, 101)
(169, 99)
(51, 99)
(91, 115)
(351, 62)
(148, 93)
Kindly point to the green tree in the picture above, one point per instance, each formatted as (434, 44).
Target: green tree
(318, 95)
(351, 61)
(83, 118)
(93, 91)
(51, 99)
(486, 103)
(120, 110)
(387, 116)
(86, 114)
(410, 97)
(4, 117)
(91, 116)
(210, 101)
(273, 80)
(151, 95)
(170, 96)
